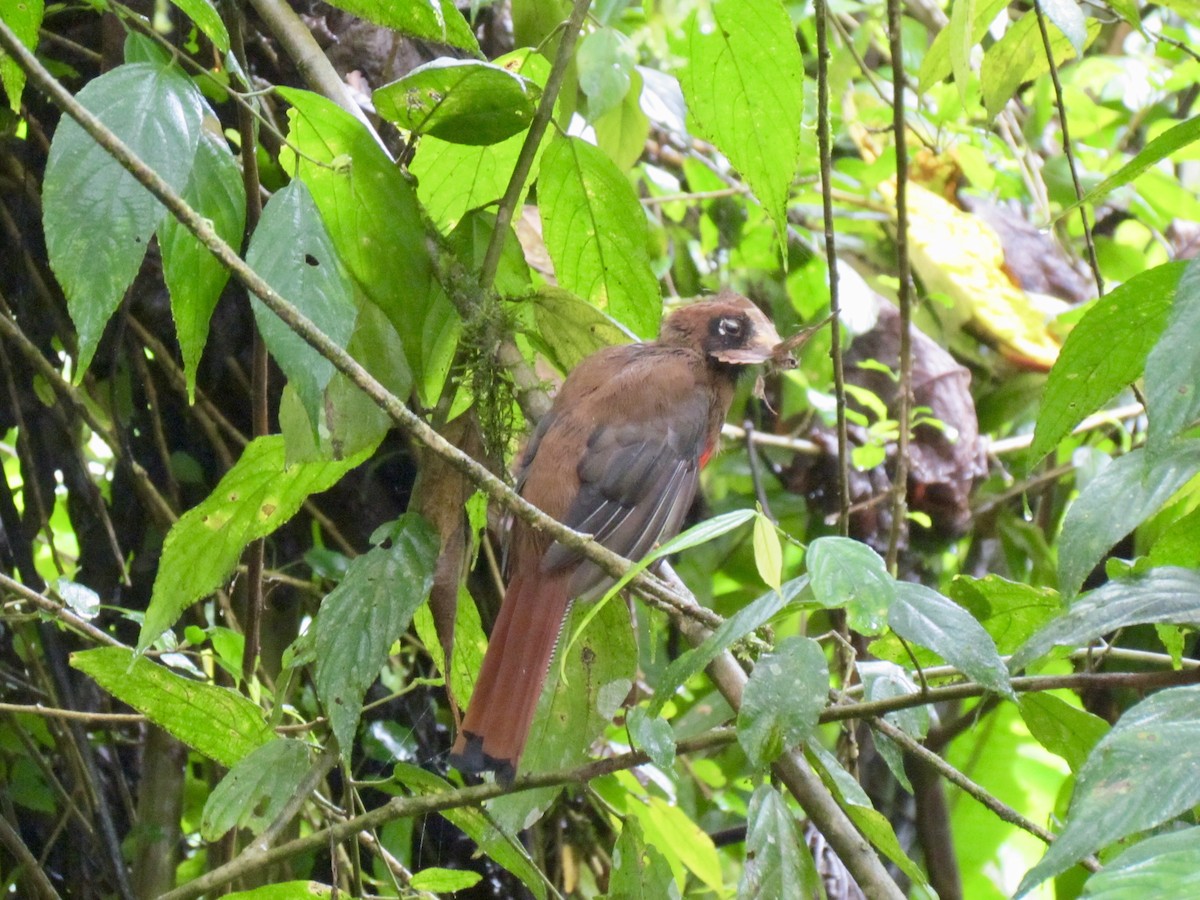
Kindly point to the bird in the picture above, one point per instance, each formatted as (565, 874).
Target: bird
(618, 457)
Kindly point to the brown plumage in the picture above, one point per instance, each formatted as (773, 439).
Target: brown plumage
(618, 457)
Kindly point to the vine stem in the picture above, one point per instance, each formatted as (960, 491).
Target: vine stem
(905, 294)
(1066, 145)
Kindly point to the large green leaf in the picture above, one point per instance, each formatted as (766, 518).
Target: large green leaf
(254, 498)
(98, 219)
(24, 17)
(292, 251)
(937, 64)
(1104, 353)
(847, 573)
(596, 233)
(570, 329)
(1168, 594)
(474, 823)
(778, 863)
(215, 721)
(639, 870)
(1008, 610)
(1067, 18)
(195, 278)
(430, 20)
(1127, 492)
(1019, 57)
(453, 178)
(1173, 367)
(365, 614)
(783, 699)
(256, 789)
(923, 616)
(581, 695)
(463, 101)
(744, 85)
(606, 61)
(1165, 865)
(1141, 774)
(374, 220)
(1063, 729)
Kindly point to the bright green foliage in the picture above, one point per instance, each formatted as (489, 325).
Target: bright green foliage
(24, 17)
(438, 21)
(1061, 728)
(460, 101)
(254, 498)
(215, 721)
(207, 19)
(596, 234)
(640, 871)
(724, 94)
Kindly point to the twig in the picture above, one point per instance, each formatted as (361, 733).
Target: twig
(58, 611)
(905, 293)
(34, 876)
(1066, 145)
(1091, 423)
(51, 712)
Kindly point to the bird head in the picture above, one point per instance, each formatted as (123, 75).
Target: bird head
(728, 329)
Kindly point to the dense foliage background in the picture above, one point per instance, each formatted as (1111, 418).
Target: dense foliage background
(940, 587)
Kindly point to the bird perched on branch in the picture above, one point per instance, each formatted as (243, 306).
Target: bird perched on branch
(618, 456)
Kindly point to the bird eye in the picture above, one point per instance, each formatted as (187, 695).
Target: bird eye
(729, 327)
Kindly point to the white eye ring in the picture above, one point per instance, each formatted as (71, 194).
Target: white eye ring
(729, 327)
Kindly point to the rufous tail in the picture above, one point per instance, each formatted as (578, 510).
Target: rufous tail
(496, 726)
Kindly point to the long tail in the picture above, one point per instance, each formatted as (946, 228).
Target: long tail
(496, 726)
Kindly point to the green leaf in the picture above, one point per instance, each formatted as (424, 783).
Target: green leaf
(937, 64)
(1165, 865)
(24, 17)
(873, 824)
(883, 680)
(1063, 729)
(1141, 774)
(444, 880)
(778, 863)
(1127, 492)
(1169, 142)
(652, 734)
(292, 251)
(285, 890)
(639, 871)
(361, 618)
(1067, 18)
(622, 131)
(463, 101)
(195, 278)
(207, 19)
(452, 178)
(606, 61)
(744, 86)
(1167, 594)
(962, 38)
(1008, 610)
(596, 233)
(430, 20)
(1173, 367)
(98, 219)
(736, 627)
(783, 699)
(1019, 57)
(847, 573)
(582, 694)
(768, 552)
(214, 721)
(1104, 353)
(923, 616)
(255, 790)
(569, 329)
(374, 220)
(473, 822)
(254, 498)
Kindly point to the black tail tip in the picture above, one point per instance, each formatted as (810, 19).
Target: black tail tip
(470, 759)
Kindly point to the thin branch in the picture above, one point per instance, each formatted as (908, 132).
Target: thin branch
(34, 876)
(50, 712)
(905, 294)
(60, 612)
(1066, 145)
(1101, 419)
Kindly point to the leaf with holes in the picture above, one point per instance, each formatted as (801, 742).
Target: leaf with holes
(255, 790)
